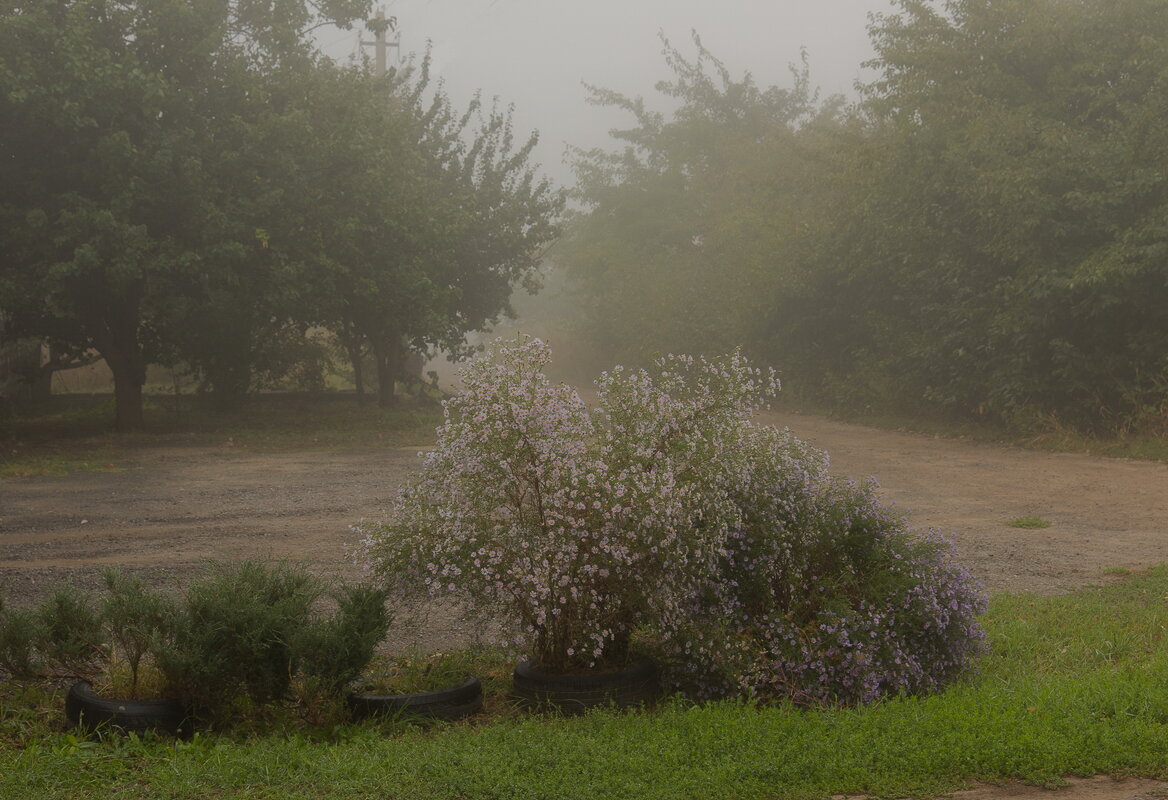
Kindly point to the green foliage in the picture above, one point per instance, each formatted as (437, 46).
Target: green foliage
(62, 634)
(981, 237)
(240, 634)
(19, 633)
(162, 200)
(331, 652)
(136, 620)
(429, 220)
(70, 635)
(136, 171)
(825, 596)
(691, 227)
(1029, 523)
(991, 250)
(237, 632)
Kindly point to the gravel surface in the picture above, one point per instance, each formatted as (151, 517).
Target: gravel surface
(169, 511)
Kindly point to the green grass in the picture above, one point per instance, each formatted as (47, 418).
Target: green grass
(73, 432)
(1074, 685)
(1029, 523)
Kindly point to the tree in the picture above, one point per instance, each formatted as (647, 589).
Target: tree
(690, 230)
(120, 118)
(194, 184)
(429, 218)
(1008, 219)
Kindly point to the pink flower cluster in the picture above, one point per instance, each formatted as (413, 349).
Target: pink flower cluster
(580, 524)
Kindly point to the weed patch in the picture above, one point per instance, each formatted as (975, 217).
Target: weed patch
(1029, 523)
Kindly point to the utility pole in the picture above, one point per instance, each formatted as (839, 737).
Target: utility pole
(380, 43)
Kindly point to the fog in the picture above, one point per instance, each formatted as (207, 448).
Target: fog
(537, 54)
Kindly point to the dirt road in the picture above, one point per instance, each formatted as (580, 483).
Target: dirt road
(172, 509)
(1104, 513)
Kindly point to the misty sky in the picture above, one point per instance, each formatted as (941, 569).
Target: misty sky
(537, 53)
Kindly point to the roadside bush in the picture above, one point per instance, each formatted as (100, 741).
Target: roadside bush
(137, 621)
(240, 634)
(18, 642)
(333, 651)
(61, 635)
(235, 632)
(574, 522)
(666, 512)
(824, 596)
(70, 633)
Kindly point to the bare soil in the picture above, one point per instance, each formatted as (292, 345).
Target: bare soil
(169, 511)
(1105, 514)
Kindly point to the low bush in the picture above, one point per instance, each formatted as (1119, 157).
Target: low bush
(242, 632)
(251, 631)
(824, 596)
(19, 633)
(235, 633)
(333, 651)
(137, 620)
(70, 636)
(665, 511)
(572, 521)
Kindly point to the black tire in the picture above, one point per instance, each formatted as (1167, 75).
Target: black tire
(447, 704)
(636, 685)
(87, 710)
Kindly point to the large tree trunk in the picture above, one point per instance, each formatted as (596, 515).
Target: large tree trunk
(128, 401)
(115, 336)
(357, 360)
(387, 352)
(125, 362)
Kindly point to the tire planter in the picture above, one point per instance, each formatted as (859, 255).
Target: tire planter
(448, 704)
(636, 685)
(86, 709)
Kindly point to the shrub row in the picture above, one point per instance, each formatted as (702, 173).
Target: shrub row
(247, 630)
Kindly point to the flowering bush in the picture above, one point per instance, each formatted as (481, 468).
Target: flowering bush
(824, 596)
(581, 524)
(665, 509)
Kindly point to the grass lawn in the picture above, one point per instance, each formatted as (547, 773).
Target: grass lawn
(74, 432)
(1074, 685)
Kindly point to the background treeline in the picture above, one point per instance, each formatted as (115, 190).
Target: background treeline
(984, 234)
(194, 184)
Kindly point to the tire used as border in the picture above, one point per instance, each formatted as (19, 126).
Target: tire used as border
(447, 704)
(86, 709)
(636, 685)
